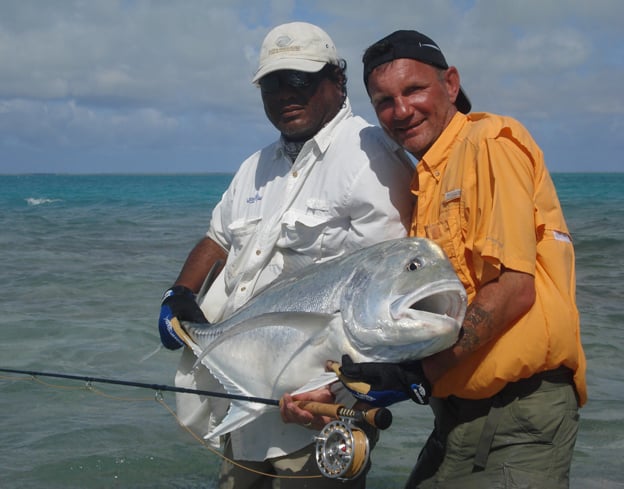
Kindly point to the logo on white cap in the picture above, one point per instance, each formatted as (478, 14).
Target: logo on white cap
(283, 41)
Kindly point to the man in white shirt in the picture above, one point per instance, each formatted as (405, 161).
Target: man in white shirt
(330, 184)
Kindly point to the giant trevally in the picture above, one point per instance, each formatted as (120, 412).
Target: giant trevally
(393, 301)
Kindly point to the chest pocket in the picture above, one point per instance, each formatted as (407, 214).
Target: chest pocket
(240, 231)
(311, 231)
(448, 232)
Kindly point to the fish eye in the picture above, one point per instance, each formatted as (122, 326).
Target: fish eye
(414, 265)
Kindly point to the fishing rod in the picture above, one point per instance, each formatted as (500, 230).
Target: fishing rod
(378, 417)
(342, 447)
(143, 385)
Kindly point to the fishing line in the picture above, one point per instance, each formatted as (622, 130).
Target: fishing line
(200, 440)
(160, 400)
(342, 449)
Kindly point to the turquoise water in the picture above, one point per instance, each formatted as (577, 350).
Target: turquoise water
(84, 261)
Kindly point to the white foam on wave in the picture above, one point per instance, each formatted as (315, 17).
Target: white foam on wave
(40, 201)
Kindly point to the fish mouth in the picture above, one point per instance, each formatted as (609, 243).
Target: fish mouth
(420, 323)
(439, 300)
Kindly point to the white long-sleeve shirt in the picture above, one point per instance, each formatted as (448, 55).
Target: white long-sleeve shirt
(348, 188)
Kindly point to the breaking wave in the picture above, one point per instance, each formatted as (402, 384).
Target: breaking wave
(40, 201)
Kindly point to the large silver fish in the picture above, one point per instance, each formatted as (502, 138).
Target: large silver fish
(393, 301)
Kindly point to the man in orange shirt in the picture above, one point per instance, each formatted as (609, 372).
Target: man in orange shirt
(506, 395)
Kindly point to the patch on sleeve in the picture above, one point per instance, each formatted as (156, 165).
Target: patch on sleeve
(559, 236)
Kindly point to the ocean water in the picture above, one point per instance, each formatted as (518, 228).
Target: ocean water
(84, 261)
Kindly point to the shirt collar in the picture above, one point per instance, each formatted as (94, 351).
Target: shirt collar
(437, 155)
(323, 138)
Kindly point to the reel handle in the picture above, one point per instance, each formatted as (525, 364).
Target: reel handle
(380, 418)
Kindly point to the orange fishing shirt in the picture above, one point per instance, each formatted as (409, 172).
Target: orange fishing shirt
(486, 197)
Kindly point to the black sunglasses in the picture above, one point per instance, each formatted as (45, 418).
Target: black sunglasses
(299, 80)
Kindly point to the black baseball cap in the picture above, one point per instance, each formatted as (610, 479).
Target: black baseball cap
(411, 45)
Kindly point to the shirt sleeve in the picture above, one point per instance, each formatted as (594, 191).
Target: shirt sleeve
(218, 230)
(380, 199)
(503, 220)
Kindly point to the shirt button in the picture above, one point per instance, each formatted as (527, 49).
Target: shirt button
(243, 288)
(258, 252)
(295, 174)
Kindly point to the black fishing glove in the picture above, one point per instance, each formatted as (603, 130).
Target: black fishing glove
(178, 302)
(383, 384)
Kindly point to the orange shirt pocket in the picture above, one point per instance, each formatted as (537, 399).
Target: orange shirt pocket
(448, 233)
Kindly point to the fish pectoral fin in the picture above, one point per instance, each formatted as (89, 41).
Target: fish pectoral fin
(322, 380)
(239, 414)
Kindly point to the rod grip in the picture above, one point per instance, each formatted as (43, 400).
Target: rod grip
(378, 417)
(321, 408)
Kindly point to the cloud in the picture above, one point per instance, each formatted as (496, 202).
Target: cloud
(139, 80)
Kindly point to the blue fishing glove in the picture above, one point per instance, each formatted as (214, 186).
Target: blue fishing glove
(383, 384)
(178, 302)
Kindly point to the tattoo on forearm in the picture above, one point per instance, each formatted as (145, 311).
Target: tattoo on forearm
(478, 328)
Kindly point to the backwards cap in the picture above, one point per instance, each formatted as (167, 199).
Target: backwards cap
(411, 45)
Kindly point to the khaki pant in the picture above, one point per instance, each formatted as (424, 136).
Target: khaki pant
(522, 438)
(297, 470)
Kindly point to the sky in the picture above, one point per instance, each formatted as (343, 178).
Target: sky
(164, 86)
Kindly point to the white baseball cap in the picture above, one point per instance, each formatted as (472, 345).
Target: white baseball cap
(295, 46)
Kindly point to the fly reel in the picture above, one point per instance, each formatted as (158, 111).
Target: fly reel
(342, 450)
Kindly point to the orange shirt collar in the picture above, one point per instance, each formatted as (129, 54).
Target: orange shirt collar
(438, 154)
(434, 161)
